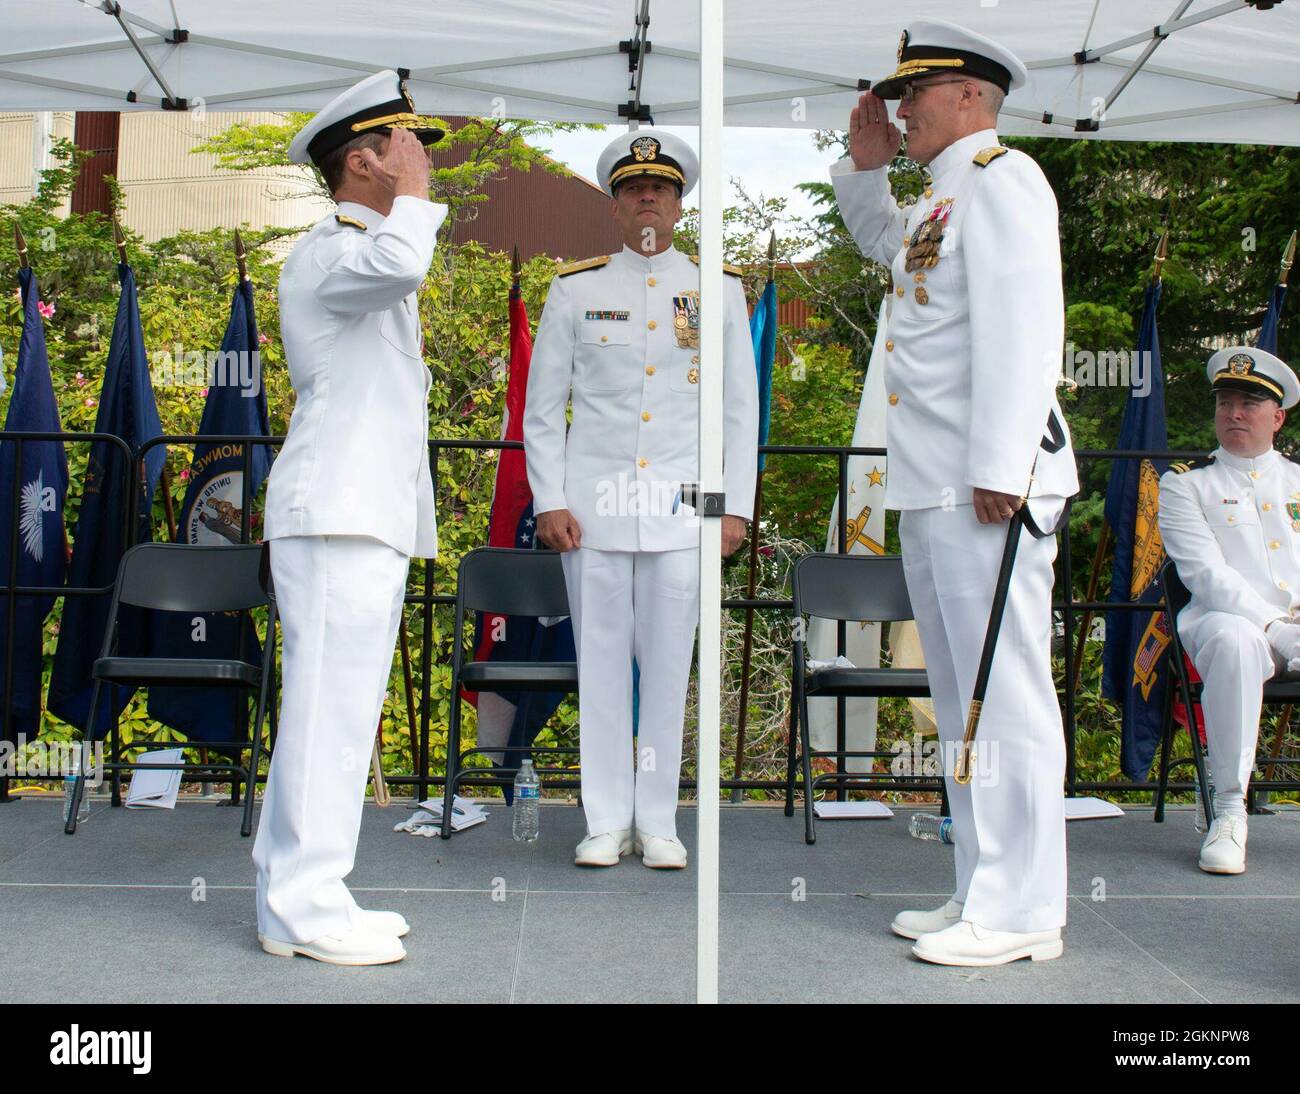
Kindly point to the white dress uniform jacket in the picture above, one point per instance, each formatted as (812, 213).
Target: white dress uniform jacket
(607, 337)
(975, 341)
(355, 461)
(1233, 529)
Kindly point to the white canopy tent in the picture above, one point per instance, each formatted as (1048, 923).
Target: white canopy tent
(1187, 70)
(1198, 70)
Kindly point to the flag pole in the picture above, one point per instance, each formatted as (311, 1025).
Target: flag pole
(746, 659)
(119, 241)
(21, 244)
(1288, 259)
(241, 257)
(1103, 538)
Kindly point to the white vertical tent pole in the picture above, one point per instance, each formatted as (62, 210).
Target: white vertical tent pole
(706, 855)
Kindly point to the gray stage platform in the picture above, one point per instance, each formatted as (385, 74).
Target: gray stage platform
(111, 914)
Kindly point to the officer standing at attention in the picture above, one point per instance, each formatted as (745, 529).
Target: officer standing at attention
(974, 349)
(350, 500)
(620, 334)
(1231, 523)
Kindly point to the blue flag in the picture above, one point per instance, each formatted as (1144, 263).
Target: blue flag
(762, 329)
(126, 409)
(42, 482)
(212, 514)
(1134, 672)
(1267, 339)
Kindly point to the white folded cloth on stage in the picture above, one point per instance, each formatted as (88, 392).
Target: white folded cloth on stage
(1090, 809)
(427, 820)
(865, 810)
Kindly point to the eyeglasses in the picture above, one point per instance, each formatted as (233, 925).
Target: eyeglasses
(909, 92)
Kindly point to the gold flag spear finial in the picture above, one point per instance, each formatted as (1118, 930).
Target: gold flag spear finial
(514, 264)
(241, 256)
(119, 240)
(1162, 253)
(771, 257)
(21, 244)
(1288, 258)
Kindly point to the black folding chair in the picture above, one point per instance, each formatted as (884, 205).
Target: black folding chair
(514, 583)
(850, 588)
(179, 577)
(1277, 691)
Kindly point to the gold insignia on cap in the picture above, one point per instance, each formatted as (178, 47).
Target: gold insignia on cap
(406, 94)
(645, 149)
(902, 45)
(1239, 364)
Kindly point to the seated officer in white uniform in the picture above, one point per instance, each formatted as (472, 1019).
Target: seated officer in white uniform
(974, 346)
(350, 500)
(1231, 523)
(620, 334)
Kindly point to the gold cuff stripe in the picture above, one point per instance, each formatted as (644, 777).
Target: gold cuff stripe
(647, 169)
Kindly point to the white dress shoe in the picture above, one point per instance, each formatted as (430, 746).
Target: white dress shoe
(966, 944)
(914, 924)
(1224, 849)
(661, 853)
(351, 947)
(604, 849)
(392, 924)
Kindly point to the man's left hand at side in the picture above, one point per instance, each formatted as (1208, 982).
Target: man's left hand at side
(733, 533)
(993, 507)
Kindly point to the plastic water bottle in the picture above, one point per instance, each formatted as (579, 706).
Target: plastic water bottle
(524, 811)
(69, 788)
(931, 826)
(1201, 826)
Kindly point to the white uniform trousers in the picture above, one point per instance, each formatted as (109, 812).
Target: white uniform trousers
(626, 604)
(340, 602)
(1009, 821)
(1233, 659)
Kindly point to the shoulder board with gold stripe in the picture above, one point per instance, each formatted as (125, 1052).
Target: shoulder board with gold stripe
(351, 222)
(1191, 465)
(586, 264)
(735, 271)
(985, 156)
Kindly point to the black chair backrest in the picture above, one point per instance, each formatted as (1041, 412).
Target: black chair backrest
(1177, 595)
(857, 587)
(506, 581)
(180, 577)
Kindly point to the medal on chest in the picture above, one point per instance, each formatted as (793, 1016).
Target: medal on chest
(1293, 511)
(923, 244)
(686, 320)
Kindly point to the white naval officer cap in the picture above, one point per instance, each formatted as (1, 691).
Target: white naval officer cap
(931, 47)
(378, 104)
(648, 152)
(1254, 371)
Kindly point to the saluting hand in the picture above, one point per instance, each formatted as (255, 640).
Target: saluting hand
(404, 166)
(873, 139)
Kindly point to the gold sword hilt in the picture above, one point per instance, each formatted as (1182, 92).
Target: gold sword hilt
(965, 764)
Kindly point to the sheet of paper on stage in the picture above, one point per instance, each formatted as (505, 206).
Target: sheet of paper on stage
(1090, 809)
(155, 788)
(852, 810)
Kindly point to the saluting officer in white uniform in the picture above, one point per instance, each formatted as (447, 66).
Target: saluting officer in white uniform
(974, 349)
(620, 334)
(350, 500)
(1231, 523)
